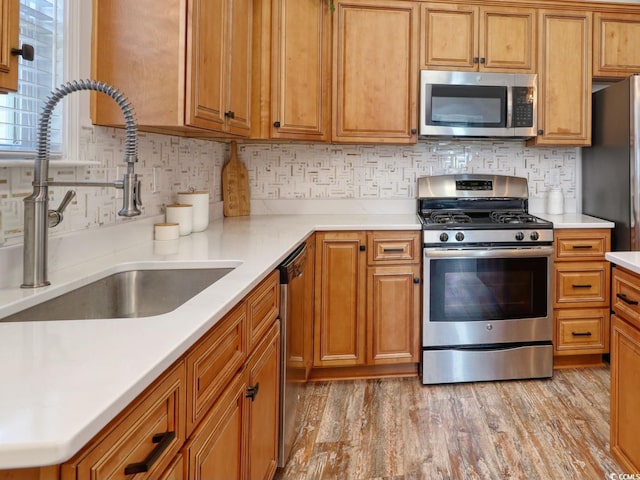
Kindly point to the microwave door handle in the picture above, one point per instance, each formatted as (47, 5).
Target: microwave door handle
(509, 107)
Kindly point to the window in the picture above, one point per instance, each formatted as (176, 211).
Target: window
(41, 25)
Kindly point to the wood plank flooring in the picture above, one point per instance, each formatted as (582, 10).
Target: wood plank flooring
(398, 429)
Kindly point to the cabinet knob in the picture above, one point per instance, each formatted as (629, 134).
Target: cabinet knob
(26, 51)
(540, 132)
(414, 131)
(476, 59)
(276, 124)
(230, 114)
(362, 248)
(252, 392)
(416, 280)
(483, 60)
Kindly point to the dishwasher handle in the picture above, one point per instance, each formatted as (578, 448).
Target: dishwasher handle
(291, 267)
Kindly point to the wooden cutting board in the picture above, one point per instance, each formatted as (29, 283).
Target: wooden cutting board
(235, 186)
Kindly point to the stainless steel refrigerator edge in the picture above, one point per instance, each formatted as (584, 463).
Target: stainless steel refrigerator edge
(610, 184)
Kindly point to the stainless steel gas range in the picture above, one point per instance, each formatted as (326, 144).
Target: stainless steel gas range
(487, 310)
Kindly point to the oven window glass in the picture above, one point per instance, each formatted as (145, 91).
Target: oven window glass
(481, 289)
(467, 105)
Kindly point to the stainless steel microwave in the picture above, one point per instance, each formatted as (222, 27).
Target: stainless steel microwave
(474, 104)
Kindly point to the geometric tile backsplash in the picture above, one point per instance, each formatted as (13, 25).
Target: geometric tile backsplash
(277, 171)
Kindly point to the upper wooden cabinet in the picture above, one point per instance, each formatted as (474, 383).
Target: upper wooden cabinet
(301, 70)
(186, 68)
(471, 38)
(9, 25)
(616, 37)
(564, 78)
(375, 71)
(219, 65)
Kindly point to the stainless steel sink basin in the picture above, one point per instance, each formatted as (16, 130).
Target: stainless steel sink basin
(132, 293)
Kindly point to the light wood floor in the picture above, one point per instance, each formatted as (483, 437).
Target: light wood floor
(399, 429)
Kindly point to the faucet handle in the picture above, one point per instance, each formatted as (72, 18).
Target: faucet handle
(55, 216)
(138, 193)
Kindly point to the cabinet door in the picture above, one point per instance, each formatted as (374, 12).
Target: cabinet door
(616, 37)
(238, 76)
(9, 25)
(301, 70)
(263, 407)
(508, 39)
(216, 450)
(207, 26)
(564, 79)
(448, 37)
(393, 314)
(625, 401)
(375, 71)
(339, 321)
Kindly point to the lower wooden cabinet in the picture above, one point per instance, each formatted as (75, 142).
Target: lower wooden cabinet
(340, 286)
(367, 298)
(582, 293)
(216, 448)
(625, 399)
(143, 440)
(262, 407)
(393, 303)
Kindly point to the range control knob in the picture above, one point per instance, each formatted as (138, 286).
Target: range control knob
(519, 236)
(534, 236)
(444, 237)
(459, 236)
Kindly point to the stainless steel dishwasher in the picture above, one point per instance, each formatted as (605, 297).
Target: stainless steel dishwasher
(296, 310)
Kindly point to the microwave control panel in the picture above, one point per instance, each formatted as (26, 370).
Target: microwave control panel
(523, 99)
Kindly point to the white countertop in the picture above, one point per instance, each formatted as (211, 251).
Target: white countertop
(63, 381)
(575, 220)
(628, 260)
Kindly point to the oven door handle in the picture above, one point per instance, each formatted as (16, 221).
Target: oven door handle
(489, 252)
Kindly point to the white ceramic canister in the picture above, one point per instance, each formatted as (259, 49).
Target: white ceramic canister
(555, 201)
(166, 231)
(200, 202)
(182, 214)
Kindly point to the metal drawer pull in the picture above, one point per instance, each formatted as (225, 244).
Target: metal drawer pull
(163, 440)
(624, 298)
(393, 250)
(586, 247)
(581, 286)
(581, 334)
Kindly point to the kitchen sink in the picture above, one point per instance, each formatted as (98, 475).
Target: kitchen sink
(128, 294)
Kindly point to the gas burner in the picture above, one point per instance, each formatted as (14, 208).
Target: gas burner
(512, 217)
(444, 216)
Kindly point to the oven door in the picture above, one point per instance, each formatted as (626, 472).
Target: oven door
(487, 296)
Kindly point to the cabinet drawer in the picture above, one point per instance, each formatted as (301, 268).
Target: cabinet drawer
(390, 247)
(213, 362)
(263, 308)
(582, 331)
(626, 296)
(582, 244)
(134, 435)
(582, 283)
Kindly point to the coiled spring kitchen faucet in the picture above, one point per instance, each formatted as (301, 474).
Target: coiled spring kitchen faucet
(37, 216)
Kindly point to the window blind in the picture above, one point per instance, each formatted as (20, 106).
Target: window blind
(41, 25)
